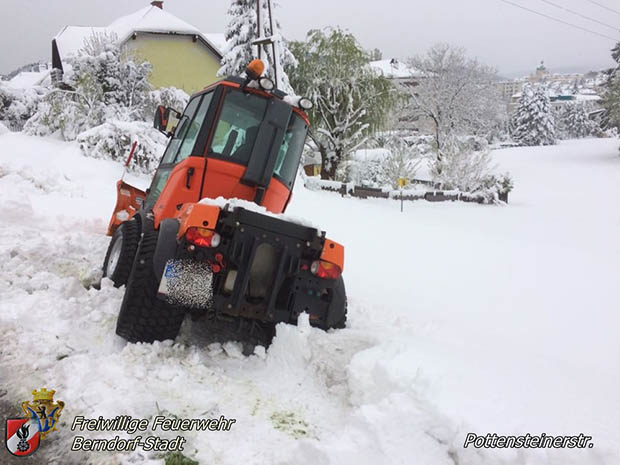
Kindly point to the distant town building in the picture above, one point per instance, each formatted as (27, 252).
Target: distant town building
(181, 55)
(563, 88)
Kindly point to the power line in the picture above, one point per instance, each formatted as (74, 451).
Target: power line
(579, 14)
(604, 7)
(559, 20)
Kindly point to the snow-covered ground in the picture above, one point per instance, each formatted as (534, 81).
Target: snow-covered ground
(462, 318)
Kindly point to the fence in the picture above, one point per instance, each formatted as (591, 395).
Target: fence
(435, 194)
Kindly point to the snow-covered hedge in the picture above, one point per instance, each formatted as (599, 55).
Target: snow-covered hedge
(107, 103)
(18, 105)
(113, 140)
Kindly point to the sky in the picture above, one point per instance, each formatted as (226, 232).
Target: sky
(499, 34)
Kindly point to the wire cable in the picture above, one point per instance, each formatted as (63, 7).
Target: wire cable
(615, 28)
(605, 7)
(560, 20)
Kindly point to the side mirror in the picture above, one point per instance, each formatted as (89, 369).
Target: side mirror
(166, 120)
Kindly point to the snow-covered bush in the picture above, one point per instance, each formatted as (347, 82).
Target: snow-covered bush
(533, 122)
(394, 157)
(66, 113)
(167, 96)
(458, 166)
(401, 163)
(18, 105)
(113, 140)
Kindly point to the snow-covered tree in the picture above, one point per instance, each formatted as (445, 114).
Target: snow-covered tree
(350, 99)
(106, 85)
(242, 30)
(108, 106)
(533, 122)
(611, 95)
(574, 122)
(455, 94)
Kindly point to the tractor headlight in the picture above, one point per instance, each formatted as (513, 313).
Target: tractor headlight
(266, 83)
(305, 103)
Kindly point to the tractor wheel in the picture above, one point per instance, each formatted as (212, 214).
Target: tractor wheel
(337, 315)
(143, 317)
(121, 252)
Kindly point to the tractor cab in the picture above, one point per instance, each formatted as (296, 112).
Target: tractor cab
(233, 140)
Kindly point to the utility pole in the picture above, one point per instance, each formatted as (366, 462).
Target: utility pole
(258, 29)
(271, 40)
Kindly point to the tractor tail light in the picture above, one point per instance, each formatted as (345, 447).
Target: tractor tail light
(202, 237)
(325, 270)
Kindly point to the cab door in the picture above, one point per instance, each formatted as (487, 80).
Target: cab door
(182, 146)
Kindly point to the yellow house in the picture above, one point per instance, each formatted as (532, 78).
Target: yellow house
(181, 55)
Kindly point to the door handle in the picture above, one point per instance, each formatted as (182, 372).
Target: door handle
(190, 173)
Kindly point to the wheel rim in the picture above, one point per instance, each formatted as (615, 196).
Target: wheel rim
(115, 255)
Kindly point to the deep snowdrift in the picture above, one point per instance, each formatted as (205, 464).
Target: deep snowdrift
(462, 318)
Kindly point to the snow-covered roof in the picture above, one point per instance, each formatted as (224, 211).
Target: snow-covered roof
(27, 79)
(148, 19)
(71, 38)
(394, 69)
(216, 38)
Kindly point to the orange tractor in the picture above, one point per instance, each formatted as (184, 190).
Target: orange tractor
(176, 252)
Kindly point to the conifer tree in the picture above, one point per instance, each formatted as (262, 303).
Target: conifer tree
(575, 123)
(242, 31)
(533, 122)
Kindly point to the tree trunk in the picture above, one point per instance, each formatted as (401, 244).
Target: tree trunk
(329, 173)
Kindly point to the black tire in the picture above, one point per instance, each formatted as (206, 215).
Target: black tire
(121, 252)
(337, 315)
(143, 317)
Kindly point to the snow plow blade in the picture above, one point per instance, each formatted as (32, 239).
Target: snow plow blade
(129, 200)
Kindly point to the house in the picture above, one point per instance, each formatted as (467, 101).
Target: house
(396, 71)
(181, 55)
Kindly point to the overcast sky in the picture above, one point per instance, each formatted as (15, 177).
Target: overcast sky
(499, 34)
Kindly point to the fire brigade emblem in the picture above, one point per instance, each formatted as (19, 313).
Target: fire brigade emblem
(42, 415)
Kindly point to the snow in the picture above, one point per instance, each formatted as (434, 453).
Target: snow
(366, 155)
(462, 318)
(587, 98)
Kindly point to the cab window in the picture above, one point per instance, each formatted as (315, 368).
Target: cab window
(179, 133)
(290, 151)
(194, 129)
(237, 127)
